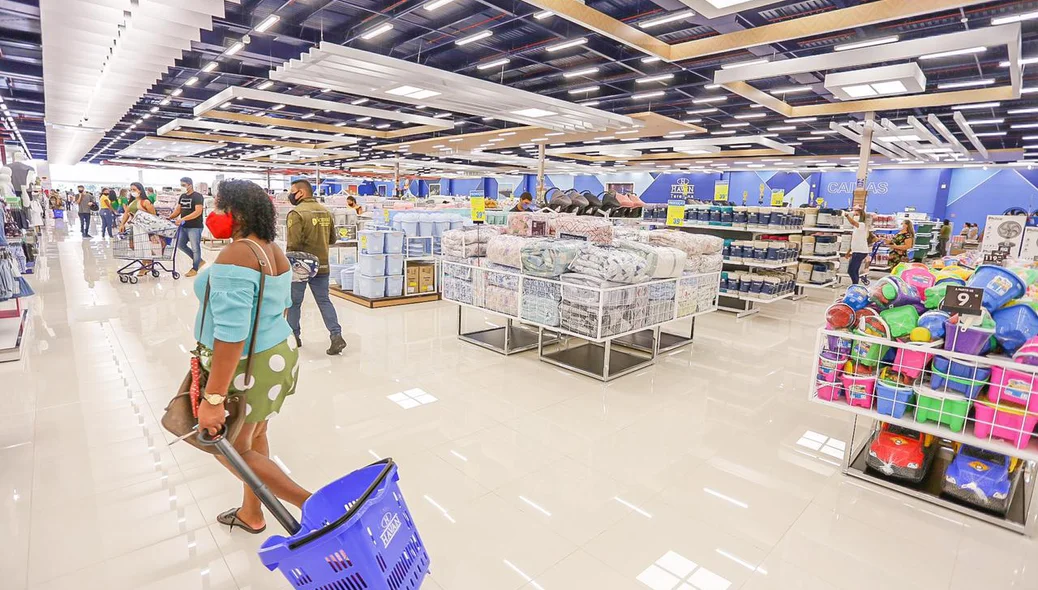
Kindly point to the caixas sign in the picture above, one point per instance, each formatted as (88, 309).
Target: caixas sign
(847, 188)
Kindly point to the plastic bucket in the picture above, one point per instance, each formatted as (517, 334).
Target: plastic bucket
(1009, 423)
(891, 291)
(900, 319)
(857, 297)
(911, 363)
(965, 378)
(410, 228)
(947, 409)
(892, 399)
(934, 322)
(1013, 386)
(840, 316)
(859, 389)
(828, 371)
(919, 278)
(837, 345)
(933, 296)
(1000, 285)
(974, 340)
(1015, 324)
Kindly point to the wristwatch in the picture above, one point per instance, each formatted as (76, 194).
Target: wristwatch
(215, 399)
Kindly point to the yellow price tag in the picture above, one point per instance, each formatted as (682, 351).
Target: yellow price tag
(385, 214)
(478, 208)
(778, 198)
(676, 213)
(721, 191)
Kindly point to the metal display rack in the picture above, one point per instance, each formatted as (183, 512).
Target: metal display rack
(14, 326)
(801, 286)
(945, 430)
(739, 304)
(609, 343)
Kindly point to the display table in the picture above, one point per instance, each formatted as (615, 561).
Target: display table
(599, 332)
(943, 414)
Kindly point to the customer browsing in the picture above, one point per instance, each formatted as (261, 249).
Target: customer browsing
(189, 211)
(311, 229)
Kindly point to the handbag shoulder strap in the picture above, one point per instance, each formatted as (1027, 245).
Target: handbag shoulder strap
(263, 264)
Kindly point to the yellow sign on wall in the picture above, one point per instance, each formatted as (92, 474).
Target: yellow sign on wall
(778, 197)
(478, 207)
(721, 190)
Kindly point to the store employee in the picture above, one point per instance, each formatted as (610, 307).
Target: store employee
(525, 203)
(189, 210)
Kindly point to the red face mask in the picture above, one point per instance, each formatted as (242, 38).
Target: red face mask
(221, 225)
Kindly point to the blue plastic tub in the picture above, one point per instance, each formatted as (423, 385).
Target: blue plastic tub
(891, 399)
(1015, 325)
(356, 533)
(1000, 285)
(967, 379)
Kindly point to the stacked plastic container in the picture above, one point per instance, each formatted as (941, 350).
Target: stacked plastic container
(380, 265)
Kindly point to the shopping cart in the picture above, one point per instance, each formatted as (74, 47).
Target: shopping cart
(356, 534)
(147, 252)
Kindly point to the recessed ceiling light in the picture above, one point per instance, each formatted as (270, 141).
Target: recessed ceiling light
(581, 72)
(967, 51)
(412, 92)
(669, 18)
(566, 44)
(741, 64)
(542, 14)
(968, 84)
(868, 43)
(430, 6)
(493, 64)
(265, 85)
(268, 22)
(584, 89)
(375, 32)
(474, 37)
(658, 78)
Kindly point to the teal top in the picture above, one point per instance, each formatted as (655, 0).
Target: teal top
(232, 301)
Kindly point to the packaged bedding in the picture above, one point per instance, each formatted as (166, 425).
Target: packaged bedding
(505, 301)
(584, 319)
(504, 277)
(541, 310)
(691, 244)
(467, 242)
(663, 262)
(540, 288)
(506, 250)
(702, 263)
(460, 267)
(589, 290)
(549, 258)
(597, 230)
(531, 223)
(611, 264)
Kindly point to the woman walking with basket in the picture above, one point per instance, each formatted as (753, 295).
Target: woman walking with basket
(245, 342)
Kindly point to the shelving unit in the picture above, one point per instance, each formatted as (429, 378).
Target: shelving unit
(14, 323)
(741, 306)
(764, 265)
(827, 259)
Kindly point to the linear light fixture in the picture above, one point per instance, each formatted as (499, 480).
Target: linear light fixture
(375, 32)
(430, 6)
(702, 111)
(658, 78)
(967, 84)
(235, 48)
(825, 132)
(591, 103)
(191, 81)
(733, 125)
(752, 62)
(1025, 126)
(1024, 62)
(268, 22)
(751, 116)
(493, 64)
(802, 120)
(566, 44)
(986, 121)
(1027, 111)
(177, 92)
(783, 128)
(710, 100)
(543, 14)
(791, 90)
(731, 132)
(651, 59)
(581, 72)
(412, 92)
(265, 85)
(209, 67)
(676, 16)
(474, 37)
(644, 95)
(953, 53)
(992, 134)
(868, 43)
(979, 105)
(1005, 20)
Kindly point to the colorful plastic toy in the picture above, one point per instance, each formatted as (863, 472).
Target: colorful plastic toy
(893, 291)
(933, 322)
(933, 296)
(975, 340)
(1000, 285)
(892, 395)
(829, 363)
(920, 278)
(949, 409)
(1006, 421)
(981, 477)
(901, 320)
(1015, 324)
(858, 389)
(840, 316)
(901, 453)
(959, 376)
(857, 297)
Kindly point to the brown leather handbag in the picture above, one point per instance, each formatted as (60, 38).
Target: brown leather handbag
(179, 417)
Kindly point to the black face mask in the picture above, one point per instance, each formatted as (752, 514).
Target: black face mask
(293, 198)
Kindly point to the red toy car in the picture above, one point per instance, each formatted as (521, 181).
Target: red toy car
(901, 453)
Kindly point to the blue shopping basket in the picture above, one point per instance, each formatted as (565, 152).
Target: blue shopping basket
(357, 533)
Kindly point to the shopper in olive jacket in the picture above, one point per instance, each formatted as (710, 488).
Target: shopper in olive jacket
(311, 229)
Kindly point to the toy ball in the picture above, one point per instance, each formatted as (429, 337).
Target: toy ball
(933, 323)
(857, 297)
(840, 316)
(919, 335)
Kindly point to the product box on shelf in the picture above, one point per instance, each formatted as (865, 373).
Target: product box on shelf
(426, 278)
(412, 280)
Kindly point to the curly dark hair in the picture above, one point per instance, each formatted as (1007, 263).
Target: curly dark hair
(250, 206)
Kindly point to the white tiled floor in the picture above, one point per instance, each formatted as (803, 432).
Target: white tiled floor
(684, 476)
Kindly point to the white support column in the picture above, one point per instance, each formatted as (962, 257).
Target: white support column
(860, 192)
(540, 173)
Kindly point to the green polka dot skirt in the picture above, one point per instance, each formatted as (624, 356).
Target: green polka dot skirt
(274, 375)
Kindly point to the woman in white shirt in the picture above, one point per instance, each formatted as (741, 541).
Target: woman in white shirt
(859, 243)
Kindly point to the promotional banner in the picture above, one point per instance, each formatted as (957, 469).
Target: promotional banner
(778, 197)
(478, 209)
(1003, 230)
(676, 212)
(721, 191)
(1029, 249)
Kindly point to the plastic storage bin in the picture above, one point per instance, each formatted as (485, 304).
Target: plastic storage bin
(911, 363)
(372, 265)
(346, 278)
(1000, 285)
(370, 287)
(1013, 386)
(371, 241)
(1005, 421)
(966, 378)
(859, 389)
(949, 409)
(395, 286)
(828, 375)
(892, 399)
(394, 243)
(394, 264)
